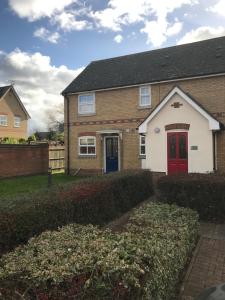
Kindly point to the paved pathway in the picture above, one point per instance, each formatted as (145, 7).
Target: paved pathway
(207, 267)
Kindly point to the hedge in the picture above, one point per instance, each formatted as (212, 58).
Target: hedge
(93, 201)
(202, 192)
(84, 262)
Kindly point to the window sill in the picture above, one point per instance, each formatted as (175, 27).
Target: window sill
(86, 115)
(3, 125)
(142, 156)
(144, 107)
(87, 156)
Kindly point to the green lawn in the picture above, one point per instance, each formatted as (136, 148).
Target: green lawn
(21, 185)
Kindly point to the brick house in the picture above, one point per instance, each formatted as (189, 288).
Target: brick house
(13, 115)
(162, 110)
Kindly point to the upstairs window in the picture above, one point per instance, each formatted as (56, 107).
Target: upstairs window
(142, 145)
(17, 121)
(3, 120)
(145, 95)
(87, 145)
(86, 104)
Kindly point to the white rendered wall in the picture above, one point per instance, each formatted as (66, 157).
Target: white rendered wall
(199, 134)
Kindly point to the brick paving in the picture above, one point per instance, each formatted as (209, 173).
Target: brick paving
(207, 267)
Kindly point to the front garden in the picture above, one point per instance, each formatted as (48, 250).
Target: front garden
(85, 262)
(65, 252)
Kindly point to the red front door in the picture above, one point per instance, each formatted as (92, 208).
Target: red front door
(177, 152)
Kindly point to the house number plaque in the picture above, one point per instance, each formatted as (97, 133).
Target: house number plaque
(194, 147)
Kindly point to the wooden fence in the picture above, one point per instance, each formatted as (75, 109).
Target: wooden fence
(56, 158)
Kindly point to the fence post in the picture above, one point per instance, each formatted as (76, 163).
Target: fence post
(49, 177)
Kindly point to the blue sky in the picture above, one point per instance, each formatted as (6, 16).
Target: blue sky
(46, 43)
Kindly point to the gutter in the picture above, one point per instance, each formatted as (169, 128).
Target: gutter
(214, 151)
(68, 134)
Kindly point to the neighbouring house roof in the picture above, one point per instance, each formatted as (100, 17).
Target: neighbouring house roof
(183, 61)
(5, 89)
(213, 123)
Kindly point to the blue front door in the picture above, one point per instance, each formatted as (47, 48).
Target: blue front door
(111, 150)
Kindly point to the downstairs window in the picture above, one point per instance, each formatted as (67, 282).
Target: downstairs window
(87, 145)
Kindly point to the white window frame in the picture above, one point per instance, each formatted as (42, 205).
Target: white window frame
(79, 104)
(5, 121)
(141, 145)
(17, 121)
(79, 145)
(145, 94)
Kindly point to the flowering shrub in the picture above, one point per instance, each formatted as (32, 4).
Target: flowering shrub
(202, 192)
(84, 262)
(93, 201)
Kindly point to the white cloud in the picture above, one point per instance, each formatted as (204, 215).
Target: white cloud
(158, 31)
(120, 13)
(202, 33)
(59, 12)
(118, 38)
(37, 9)
(67, 21)
(155, 31)
(153, 13)
(71, 15)
(218, 8)
(46, 35)
(174, 29)
(38, 82)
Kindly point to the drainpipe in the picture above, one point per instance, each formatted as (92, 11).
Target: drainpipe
(68, 134)
(214, 151)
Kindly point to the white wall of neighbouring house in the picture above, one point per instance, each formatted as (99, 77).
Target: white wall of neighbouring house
(199, 134)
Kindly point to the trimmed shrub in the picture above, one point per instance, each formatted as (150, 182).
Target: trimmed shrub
(84, 262)
(202, 192)
(93, 201)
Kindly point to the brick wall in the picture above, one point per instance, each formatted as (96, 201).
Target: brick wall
(19, 160)
(118, 109)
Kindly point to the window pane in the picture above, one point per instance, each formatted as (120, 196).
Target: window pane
(142, 140)
(108, 147)
(83, 108)
(90, 141)
(17, 121)
(145, 100)
(91, 150)
(83, 150)
(87, 99)
(144, 90)
(83, 141)
(142, 150)
(115, 147)
(3, 120)
(182, 147)
(86, 108)
(172, 146)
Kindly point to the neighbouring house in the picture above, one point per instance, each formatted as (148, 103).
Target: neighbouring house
(161, 110)
(13, 115)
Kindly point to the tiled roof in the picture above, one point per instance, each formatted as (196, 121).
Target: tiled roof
(3, 90)
(183, 61)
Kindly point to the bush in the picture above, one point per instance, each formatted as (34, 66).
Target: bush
(202, 192)
(93, 201)
(83, 262)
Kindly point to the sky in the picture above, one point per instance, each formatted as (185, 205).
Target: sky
(45, 44)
